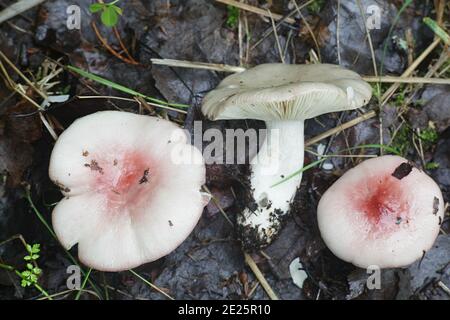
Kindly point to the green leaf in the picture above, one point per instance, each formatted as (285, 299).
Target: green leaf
(432, 166)
(30, 266)
(24, 283)
(37, 271)
(29, 248)
(36, 248)
(35, 256)
(26, 273)
(27, 258)
(96, 7)
(117, 9)
(109, 17)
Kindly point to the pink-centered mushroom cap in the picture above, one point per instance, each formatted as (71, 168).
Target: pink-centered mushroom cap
(127, 202)
(383, 212)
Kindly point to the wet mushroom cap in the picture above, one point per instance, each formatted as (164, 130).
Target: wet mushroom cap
(383, 212)
(276, 91)
(127, 202)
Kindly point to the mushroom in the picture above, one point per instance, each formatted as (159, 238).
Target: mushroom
(126, 201)
(283, 96)
(384, 212)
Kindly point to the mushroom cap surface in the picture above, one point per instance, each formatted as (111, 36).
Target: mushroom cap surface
(277, 91)
(127, 202)
(383, 212)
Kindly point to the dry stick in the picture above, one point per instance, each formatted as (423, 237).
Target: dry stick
(277, 40)
(389, 92)
(308, 27)
(384, 99)
(19, 89)
(444, 287)
(168, 296)
(338, 42)
(256, 10)
(18, 8)
(122, 45)
(420, 80)
(31, 84)
(269, 32)
(198, 65)
(251, 263)
(375, 71)
(248, 259)
(340, 128)
(235, 69)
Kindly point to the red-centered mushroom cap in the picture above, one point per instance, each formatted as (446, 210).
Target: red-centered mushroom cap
(127, 202)
(383, 212)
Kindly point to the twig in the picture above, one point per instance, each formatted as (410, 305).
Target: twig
(316, 43)
(151, 285)
(18, 8)
(420, 80)
(108, 47)
(197, 65)
(277, 40)
(384, 99)
(340, 128)
(389, 92)
(235, 69)
(116, 33)
(248, 259)
(444, 287)
(269, 31)
(256, 10)
(31, 84)
(251, 263)
(338, 31)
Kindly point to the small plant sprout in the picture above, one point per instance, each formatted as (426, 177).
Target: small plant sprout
(31, 275)
(232, 16)
(110, 12)
(283, 96)
(127, 199)
(383, 212)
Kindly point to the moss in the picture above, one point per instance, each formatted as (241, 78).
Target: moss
(316, 6)
(402, 140)
(232, 17)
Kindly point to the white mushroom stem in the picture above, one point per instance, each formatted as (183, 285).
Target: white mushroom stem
(280, 155)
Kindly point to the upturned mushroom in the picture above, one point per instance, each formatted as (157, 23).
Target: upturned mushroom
(283, 96)
(126, 201)
(384, 212)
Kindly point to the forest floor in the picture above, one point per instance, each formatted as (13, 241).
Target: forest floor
(40, 96)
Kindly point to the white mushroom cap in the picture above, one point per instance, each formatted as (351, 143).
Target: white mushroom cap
(126, 201)
(383, 212)
(278, 91)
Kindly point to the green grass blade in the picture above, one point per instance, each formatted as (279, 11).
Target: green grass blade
(315, 163)
(379, 146)
(86, 278)
(437, 29)
(50, 230)
(307, 167)
(122, 88)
